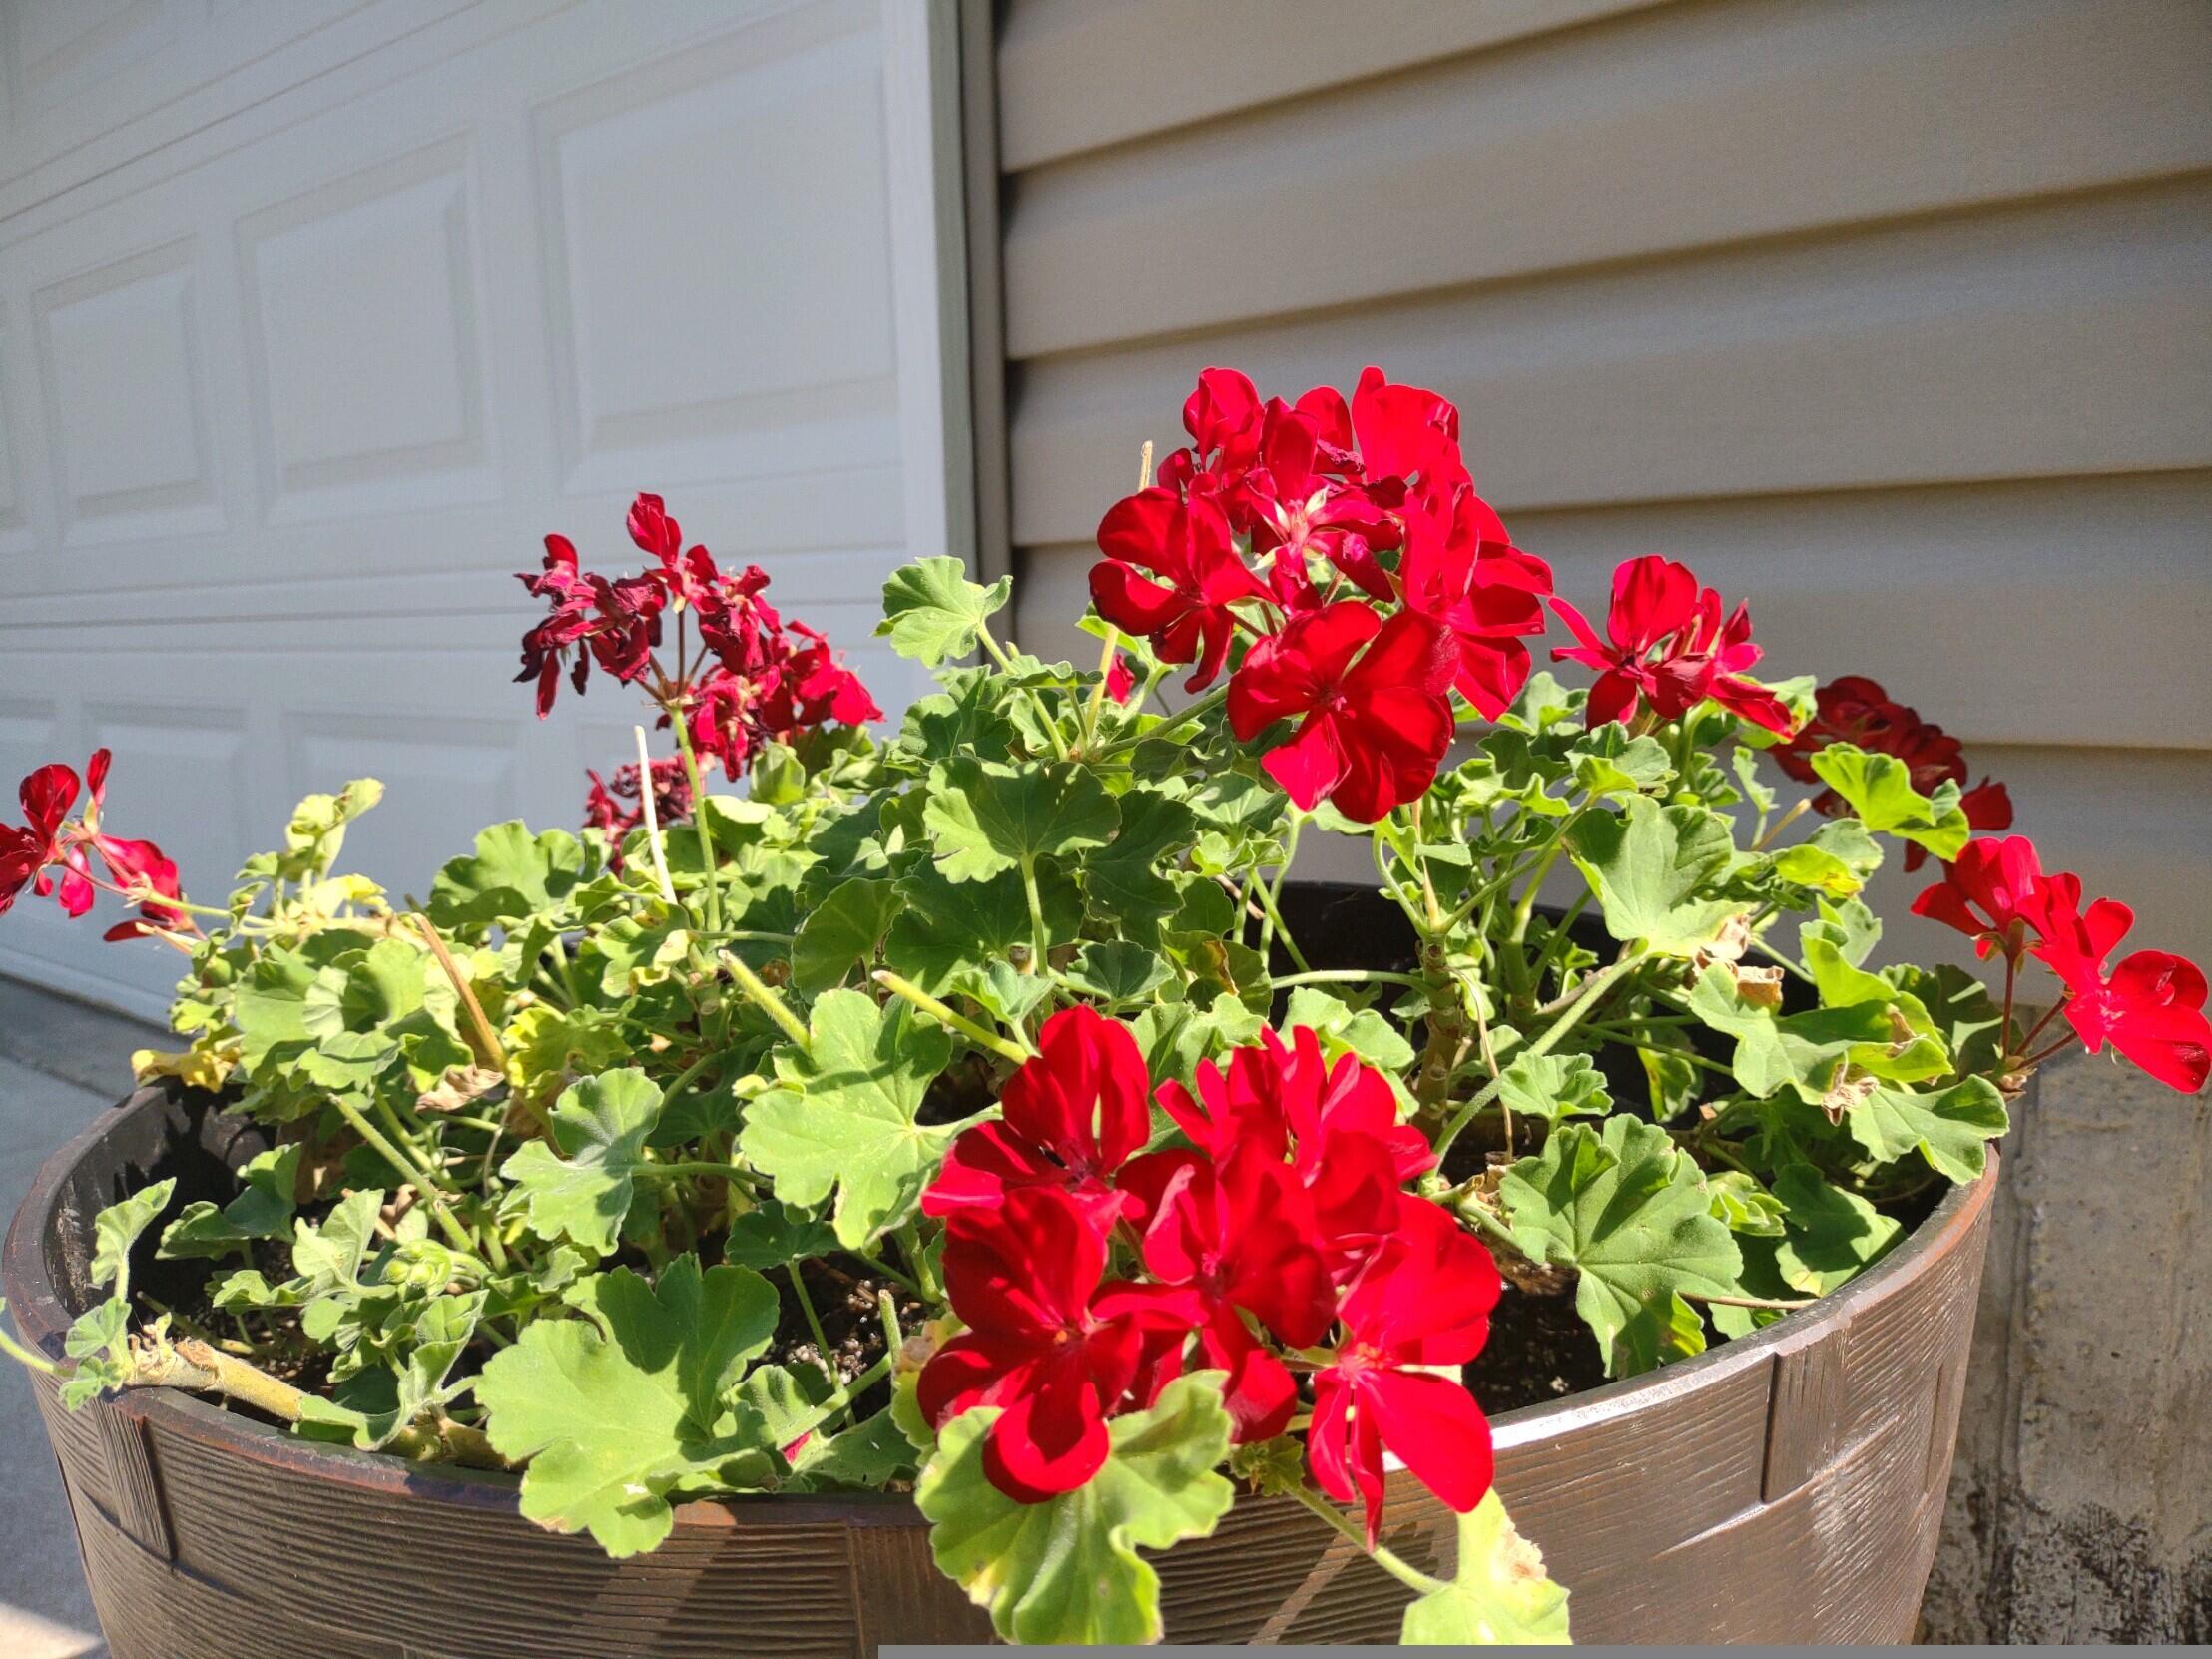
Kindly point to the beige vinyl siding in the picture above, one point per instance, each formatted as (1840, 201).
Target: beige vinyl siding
(1891, 316)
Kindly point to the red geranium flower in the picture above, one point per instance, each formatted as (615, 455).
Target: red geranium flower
(1120, 682)
(1293, 507)
(1242, 1234)
(1667, 644)
(1371, 694)
(1186, 614)
(1423, 1300)
(1059, 1350)
(1069, 1118)
(1857, 710)
(1461, 569)
(1993, 893)
(814, 687)
(2150, 1006)
(618, 807)
(1337, 1123)
(49, 838)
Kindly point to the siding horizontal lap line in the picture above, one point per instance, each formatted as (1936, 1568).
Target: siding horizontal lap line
(1692, 128)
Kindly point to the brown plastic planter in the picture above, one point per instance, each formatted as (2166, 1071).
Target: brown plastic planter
(1783, 1488)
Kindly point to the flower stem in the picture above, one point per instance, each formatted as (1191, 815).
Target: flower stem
(766, 999)
(487, 1040)
(18, 1352)
(1203, 706)
(1349, 976)
(1039, 941)
(936, 1010)
(711, 875)
(1587, 995)
(652, 814)
(1045, 714)
(1388, 1561)
(1749, 1301)
(695, 1166)
(433, 1193)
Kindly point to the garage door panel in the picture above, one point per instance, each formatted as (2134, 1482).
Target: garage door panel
(284, 406)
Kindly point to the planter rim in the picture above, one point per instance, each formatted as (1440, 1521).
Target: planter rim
(33, 1299)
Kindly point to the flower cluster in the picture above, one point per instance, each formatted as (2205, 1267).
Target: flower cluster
(50, 841)
(617, 806)
(1348, 541)
(1666, 644)
(755, 679)
(2149, 1006)
(1091, 1272)
(1856, 710)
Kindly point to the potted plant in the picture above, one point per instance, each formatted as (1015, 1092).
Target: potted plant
(964, 1146)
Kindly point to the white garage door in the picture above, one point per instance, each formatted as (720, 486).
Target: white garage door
(315, 317)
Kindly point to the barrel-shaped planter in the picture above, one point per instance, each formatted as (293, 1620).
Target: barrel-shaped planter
(1783, 1488)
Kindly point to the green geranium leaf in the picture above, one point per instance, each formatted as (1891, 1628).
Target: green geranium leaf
(616, 1411)
(1948, 1127)
(1610, 761)
(1807, 1051)
(1553, 1087)
(844, 932)
(931, 611)
(1116, 972)
(316, 833)
(1829, 1236)
(1879, 788)
(442, 1332)
(986, 818)
(951, 936)
(1966, 1016)
(371, 993)
(1067, 1571)
(262, 1210)
(117, 1227)
(846, 1116)
(774, 1233)
(1744, 1204)
(1837, 859)
(1653, 867)
(327, 1260)
(512, 874)
(1631, 1213)
(98, 1340)
(1744, 763)
(1347, 1030)
(968, 717)
(584, 1194)
(870, 1455)
(1499, 1595)
(1123, 878)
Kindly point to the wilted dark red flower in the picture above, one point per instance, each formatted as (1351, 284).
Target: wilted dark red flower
(1371, 700)
(616, 623)
(1667, 644)
(617, 807)
(1069, 1118)
(1857, 710)
(49, 841)
(1423, 1300)
(1046, 1341)
(1186, 613)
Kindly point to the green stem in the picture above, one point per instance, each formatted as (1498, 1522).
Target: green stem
(18, 1352)
(944, 1015)
(1039, 941)
(814, 1323)
(766, 999)
(425, 1183)
(709, 873)
(697, 1166)
(910, 1239)
(1203, 706)
(842, 1399)
(1045, 714)
(1403, 1572)
(1587, 995)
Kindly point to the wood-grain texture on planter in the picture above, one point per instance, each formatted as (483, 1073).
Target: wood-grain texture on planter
(1787, 1488)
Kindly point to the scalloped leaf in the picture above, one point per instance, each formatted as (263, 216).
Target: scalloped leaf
(1067, 1571)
